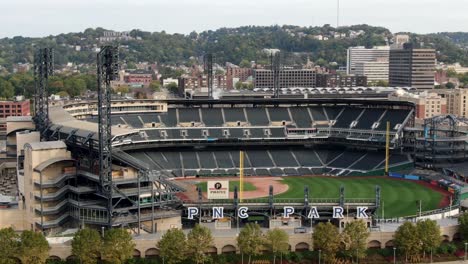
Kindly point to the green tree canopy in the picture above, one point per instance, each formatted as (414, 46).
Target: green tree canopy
(199, 240)
(277, 242)
(250, 240)
(355, 236)
(173, 246)
(33, 248)
(429, 234)
(463, 225)
(244, 63)
(8, 246)
(449, 85)
(117, 246)
(155, 86)
(6, 89)
(327, 238)
(407, 240)
(86, 245)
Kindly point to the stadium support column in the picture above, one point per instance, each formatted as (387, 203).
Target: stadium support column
(107, 70)
(208, 65)
(276, 74)
(387, 148)
(43, 68)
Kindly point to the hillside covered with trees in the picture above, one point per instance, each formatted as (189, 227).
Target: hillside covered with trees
(321, 44)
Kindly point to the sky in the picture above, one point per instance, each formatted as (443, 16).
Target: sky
(36, 18)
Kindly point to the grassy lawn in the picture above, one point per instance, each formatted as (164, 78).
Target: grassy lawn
(400, 197)
(247, 186)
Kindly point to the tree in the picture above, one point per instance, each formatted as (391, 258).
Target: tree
(355, 236)
(86, 245)
(199, 239)
(250, 240)
(244, 64)
(155, 86)
(117, 246)
(6, 89)
(173, 88)
(122, 89)
(277, 241)
(63, 94)
(173, 246)
(452, 73)
(463, 225)
(8, 246)
(449, 85)
(429, 234)
(407, 240)
(327, 238)
(33, 248)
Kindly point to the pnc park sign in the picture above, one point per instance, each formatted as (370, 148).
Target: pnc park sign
(242, 212)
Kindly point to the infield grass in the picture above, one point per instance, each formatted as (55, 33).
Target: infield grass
(247, 186)
(399, 197)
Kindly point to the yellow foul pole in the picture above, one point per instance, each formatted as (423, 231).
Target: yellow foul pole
(241, 175)
(387, 148)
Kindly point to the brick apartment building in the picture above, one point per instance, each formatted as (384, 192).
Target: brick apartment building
(13, 108)
(241, 74)
(139, 77)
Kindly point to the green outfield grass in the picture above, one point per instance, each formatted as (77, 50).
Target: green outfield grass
(399, 197)
(247, 186)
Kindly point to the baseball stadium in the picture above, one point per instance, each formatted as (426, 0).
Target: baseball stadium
(150, 165)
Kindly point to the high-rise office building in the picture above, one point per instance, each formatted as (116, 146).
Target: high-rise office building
(374, 70)
(363, 54)
(410, 67)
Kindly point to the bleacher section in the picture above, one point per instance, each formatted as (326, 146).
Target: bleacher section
(272, 162)
(298, 117)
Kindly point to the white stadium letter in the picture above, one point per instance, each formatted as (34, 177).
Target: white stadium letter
(313, 213)
(191, 212)
(242, 212)
(288, 210)
(338, 212)
(361, 212)
(218, 212)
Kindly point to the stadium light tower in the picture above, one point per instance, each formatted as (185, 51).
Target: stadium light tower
(107, 70)
(43, 68)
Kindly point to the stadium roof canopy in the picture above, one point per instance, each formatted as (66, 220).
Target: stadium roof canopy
(67, 123)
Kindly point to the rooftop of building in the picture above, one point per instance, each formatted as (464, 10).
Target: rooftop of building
(46, 145)
(19, 119)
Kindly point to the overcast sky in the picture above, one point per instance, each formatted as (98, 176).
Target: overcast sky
(35, 18)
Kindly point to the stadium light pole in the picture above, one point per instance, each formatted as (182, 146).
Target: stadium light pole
(394, 255)
(431, 254)
(466, 244)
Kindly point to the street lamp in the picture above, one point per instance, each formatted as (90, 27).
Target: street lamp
(431, 255)
(394, 255)
(466, 244)
(320, 253)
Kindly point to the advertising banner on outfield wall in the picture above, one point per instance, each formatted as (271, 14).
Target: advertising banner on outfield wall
(218, 189)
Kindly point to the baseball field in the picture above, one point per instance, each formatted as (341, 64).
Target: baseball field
(398, 197)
